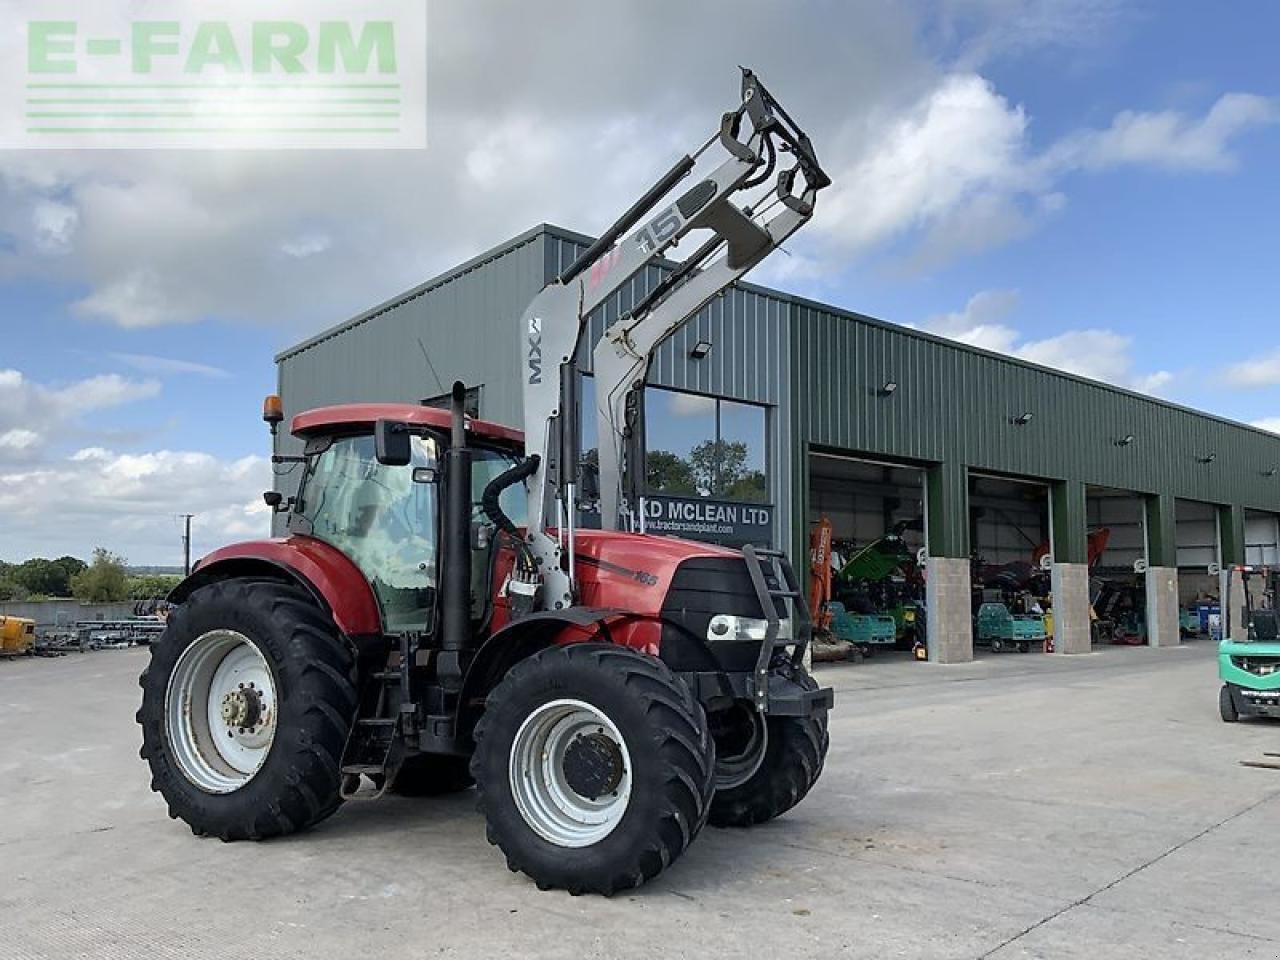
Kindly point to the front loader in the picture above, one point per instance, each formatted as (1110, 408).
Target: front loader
(434, 618)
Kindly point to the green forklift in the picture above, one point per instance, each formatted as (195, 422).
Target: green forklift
(1249, 653)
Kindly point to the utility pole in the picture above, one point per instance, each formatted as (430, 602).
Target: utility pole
(186, 544)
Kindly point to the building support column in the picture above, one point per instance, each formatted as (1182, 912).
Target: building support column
(948, 594)
(1070, 577)
(1231, 553)
(1163, 626)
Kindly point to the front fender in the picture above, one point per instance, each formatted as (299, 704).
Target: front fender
(537, 631)
(322, 570)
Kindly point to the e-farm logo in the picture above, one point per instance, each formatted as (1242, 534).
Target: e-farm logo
(319, 74)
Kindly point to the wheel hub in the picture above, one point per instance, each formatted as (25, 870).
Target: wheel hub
(570, 773)
(242, 707)
(221, 708)
(593, 765)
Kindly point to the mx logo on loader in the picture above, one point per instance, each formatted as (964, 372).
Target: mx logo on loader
(535, 349)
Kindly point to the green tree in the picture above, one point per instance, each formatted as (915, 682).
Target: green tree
(9, 590)
(750, 487)
(152, 586)
(104, 580)
(668, 473)
(72, 565)
(719, 466)
(43, 577)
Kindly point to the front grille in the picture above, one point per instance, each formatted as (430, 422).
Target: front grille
(701, 588)
(1259, 666)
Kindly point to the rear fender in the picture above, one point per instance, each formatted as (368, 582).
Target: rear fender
(323, 571)
(528, 635)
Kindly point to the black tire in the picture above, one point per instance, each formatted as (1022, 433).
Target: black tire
(432, 775)
(996, 645)
(298, 784)
(1227, 706)
(672, 764)
(1024, 647)
(793, 760)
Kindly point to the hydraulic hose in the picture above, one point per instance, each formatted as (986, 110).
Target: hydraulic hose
(493, 490)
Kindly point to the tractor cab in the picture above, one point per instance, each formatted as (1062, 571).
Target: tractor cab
(385, 516)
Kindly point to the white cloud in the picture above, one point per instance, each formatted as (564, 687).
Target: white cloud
(979, 323)
(960, 147)
(53, 501)
(1261, 372)
(1268, 423)
(306, 245)
(18, 444)
(147, 363)
(30, 406)
(690, 405)
(1098, 354)
(53, 226)
(129, 503)
(1169, 139)
(930, 162)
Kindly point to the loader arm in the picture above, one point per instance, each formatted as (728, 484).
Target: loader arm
(555, 323)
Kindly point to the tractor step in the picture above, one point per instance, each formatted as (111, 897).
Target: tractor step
(366, 769)
(376, 743)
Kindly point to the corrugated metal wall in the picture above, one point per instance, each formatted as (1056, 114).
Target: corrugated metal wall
(816, 368)
(466, 321)
(954, 403)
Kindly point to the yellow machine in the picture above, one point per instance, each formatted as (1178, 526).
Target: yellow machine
(17, 636)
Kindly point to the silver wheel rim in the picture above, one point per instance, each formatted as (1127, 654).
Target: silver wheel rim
(220, 711)
(552, 808)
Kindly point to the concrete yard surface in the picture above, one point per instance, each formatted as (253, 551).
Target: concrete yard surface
(1020, 806)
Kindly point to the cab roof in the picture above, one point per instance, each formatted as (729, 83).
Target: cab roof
(348, 416)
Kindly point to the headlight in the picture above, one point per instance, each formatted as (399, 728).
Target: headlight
(725, 626)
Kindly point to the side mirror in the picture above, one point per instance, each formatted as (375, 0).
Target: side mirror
(273, 499)
(590, 479)
(391, 443)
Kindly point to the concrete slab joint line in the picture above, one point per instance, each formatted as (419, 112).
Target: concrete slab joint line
(1070, 584)
(1163, 628)
(1132, 873)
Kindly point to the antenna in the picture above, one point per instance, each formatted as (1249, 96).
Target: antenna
(431, 366)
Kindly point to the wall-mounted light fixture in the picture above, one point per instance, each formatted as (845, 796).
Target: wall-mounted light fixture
(1207, 458)
(1022, 419)
(889, 389)
(1124, 441)
(700, 350)
(1270, 472)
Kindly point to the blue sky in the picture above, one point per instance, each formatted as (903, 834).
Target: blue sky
(1087, 184)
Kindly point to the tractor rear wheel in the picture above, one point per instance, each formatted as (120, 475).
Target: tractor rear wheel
(246, 707)
(432, 775)
(790, 762)
(594, 767)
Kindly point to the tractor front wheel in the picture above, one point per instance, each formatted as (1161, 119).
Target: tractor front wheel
(1227, 706)
(594, 767)
(789, 753)
(246, 707)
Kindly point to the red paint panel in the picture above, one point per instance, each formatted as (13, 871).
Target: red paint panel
(328, 570)
(325, 419)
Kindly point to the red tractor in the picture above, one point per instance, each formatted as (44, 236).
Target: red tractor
(434, 618)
